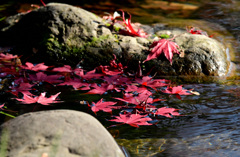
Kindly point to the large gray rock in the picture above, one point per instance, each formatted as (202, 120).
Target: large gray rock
(61, 33)
(60, 133)
(202, 55)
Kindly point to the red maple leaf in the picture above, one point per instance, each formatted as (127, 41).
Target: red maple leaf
(42, 77)
(23, 88)
(131, 29)
(30, 66)
(75, 83)
(27, 99)
(194, 30)
(140, 99)
(104, 87)
(167, 112)
(64, 69)
(150, 82)
(132, 119)
(165, 46)
(104, 106)
(177, 90)
(90, 75)
(7, 57)
(1, 107)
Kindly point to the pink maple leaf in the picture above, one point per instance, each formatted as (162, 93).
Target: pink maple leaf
(104, 106)
(1, 107)
(167, 112)
(150, 82)
(141, 98)
(38, 67)
(132, 119)
(177, 90)
(104, 87)
(42, 77)
(134, 88)
(75, 83)
(6, 57)
(27, 99)
(64, 69)
(165, 46)
(23, 88)
(90, 75)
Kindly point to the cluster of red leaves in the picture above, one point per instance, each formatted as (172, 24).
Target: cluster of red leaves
(165, 46)
(137, 106)
(131, 29)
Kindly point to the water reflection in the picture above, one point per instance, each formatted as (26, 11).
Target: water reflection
(210, 127)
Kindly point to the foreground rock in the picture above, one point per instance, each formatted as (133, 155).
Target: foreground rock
(60, 33)
(61, 133)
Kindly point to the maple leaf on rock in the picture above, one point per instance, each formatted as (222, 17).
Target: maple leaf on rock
(130, 28)
(104, 106)
(194, 30)
(132, 119)
(167, 112)
(27, 99)
(165, 46)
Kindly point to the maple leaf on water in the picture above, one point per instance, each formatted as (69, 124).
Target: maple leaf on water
(75, 83)
(64, 69)
(22, 87)
(177, 90)
(104, 87)
(143, 97)
(104, 106)
(42, 77)
(6, 57)
(132, 119)
(27, 99)
(38, 67)
(167, 112)
(1, 107)
(165, 46)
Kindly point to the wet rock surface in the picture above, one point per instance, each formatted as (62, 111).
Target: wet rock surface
(62, 133)
(61, 34)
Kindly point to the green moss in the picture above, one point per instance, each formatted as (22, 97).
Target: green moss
(95, 50)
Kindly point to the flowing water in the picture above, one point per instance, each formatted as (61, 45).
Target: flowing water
(211, 125)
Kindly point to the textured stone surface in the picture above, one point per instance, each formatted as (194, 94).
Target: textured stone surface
(61, 34)
(61, 133)
(202, 55)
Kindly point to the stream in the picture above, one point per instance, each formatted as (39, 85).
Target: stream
(211, 122)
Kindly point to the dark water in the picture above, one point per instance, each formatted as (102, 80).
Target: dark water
(211, 125)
